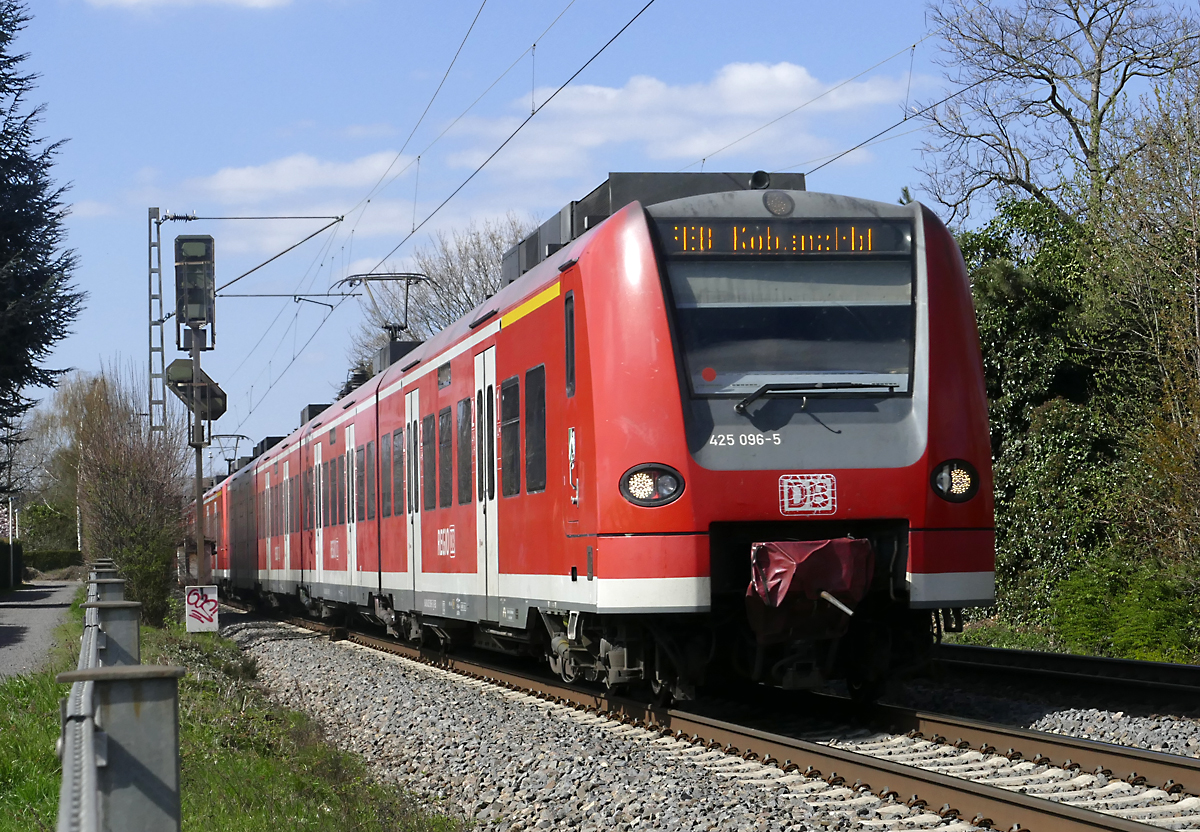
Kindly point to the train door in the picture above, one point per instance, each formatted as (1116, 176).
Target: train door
(412, 418)
(571, 448)
(353, 484)
(318, 516)
(269, 529)
(287, 520)
(486, 528)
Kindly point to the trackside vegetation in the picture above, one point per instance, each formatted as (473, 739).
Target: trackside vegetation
(246, 763)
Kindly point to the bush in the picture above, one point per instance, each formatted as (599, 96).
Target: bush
(47, 560)
(48, 527)
(1114, 607)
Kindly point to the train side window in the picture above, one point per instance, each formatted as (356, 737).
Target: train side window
(385, 475)
(310, 497)
(398, 469)
(305, 498)
(569, 315)
(490, 432)
(464, 451)
(360, 494)
(445, 452)
(535, 429)
(326, 480)
(510, 436)
(342, 479)
(295, 504)
(429, 463)
(371, 480)
(480, 456)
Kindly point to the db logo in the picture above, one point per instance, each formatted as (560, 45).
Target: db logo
(807, 494)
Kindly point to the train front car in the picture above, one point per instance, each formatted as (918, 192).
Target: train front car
(791, 440)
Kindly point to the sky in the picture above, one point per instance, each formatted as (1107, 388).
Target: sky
(232, 108)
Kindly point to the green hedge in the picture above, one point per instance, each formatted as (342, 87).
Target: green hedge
(7, 569)
(47, 560)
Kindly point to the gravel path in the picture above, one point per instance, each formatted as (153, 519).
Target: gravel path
(513, 762)
(28, 616)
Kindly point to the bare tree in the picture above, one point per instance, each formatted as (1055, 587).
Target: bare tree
(1045, 83)
(130, 481)
(463, 270)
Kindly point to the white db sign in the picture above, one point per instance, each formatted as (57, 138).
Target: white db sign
(200, 610)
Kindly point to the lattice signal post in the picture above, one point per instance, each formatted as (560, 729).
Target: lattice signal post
(157, 355)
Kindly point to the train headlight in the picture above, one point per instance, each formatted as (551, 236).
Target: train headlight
(651, 485)
(955, 480)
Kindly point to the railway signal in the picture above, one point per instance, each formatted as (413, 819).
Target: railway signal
(195, 291)
(204, 397)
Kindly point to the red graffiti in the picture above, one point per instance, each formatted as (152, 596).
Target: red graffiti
(201, 606)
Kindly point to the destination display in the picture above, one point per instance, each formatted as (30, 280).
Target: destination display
(785, 237)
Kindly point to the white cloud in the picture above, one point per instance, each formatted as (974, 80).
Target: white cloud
(684, 122)
(89, 208)
(293, 175)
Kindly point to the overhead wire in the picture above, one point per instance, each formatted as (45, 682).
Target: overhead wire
(463, 114)
(514, 133)
(816, 98)
(425, 112)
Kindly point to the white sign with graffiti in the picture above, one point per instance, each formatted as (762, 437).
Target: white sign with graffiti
(200, 610)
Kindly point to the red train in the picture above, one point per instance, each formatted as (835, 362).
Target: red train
(713, 426)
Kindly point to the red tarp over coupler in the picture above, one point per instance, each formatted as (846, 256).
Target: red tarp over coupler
(784, 602)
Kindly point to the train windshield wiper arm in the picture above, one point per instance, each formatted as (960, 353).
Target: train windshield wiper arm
(791, 387)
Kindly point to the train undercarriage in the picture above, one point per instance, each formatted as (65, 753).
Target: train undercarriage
(804, 643)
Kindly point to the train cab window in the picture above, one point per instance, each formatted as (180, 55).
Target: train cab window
(360, 494)
(398, 469)
(464, 451)
(535, 429)
(428, 463)
(385, 475)
(510, 436)
(445, 451)
(569, 315)
(803, 316)
(342, 479)
(370, 480)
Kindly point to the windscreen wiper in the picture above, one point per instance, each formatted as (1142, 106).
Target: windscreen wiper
(741, 406)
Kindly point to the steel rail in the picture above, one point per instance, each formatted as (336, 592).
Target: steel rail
(1170, 772)
(978, 803)
(1163, 676)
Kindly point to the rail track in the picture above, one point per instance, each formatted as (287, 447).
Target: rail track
(1157, 676)
(895, 768)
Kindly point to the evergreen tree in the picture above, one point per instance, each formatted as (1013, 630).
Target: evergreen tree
(38, 303)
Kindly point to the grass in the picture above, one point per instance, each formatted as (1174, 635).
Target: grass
(246, 764)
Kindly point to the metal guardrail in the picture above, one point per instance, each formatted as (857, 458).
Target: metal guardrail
(120, 723)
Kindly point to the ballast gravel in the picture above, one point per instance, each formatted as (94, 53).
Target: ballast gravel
(509, 761)
(1172, 728)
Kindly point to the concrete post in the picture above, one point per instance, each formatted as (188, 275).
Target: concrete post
(120, 621)
(109, 589)
(137, 744)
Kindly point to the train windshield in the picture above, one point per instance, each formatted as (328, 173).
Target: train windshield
(747, 322)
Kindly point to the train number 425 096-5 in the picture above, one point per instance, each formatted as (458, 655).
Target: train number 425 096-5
(745, 439)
